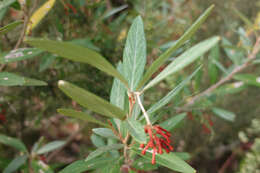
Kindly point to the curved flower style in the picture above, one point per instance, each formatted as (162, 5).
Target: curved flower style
(157, 144)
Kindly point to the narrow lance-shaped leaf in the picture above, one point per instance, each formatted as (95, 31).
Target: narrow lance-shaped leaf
(173, 122)
(10, 79)
(10, 27)
(236, 57)
(13, 142)
(39, 14)
(82, 116)
(82, 165)
(50, 147)
(105, 132)
(114, 153)
(186, 36)
(114, 11)
(77, 53)
(136, 130)
(97, 140)
(249, 79)
(134, 58)
(184, 60)
(212, 68)
(101, 150)
(169, 160)
(19, 55)
(226, 115)
(15, 164)
(230, 88)
(144, 164)
(166, 99)
(118, 91)
(6, 3)
(91, 101)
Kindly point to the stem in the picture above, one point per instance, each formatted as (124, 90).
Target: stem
(68, 141)
(250, 58)
(137, 94)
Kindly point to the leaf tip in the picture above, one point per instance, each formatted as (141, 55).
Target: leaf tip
(212, 6)
(61, 83)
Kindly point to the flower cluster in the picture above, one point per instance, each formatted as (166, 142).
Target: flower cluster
(157, 143)
(2, 115)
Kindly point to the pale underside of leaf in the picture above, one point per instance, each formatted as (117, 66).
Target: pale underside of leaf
(78, 54)
(91, 101)
(82, 116)
(184, 60)
(186, 36)
(134, 58)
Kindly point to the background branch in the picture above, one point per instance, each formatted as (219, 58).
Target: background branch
(238, 69)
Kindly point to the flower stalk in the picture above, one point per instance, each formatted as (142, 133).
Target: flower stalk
(159, 138)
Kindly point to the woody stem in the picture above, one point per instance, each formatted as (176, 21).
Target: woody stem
(137, 94)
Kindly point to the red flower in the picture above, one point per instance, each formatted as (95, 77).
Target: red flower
(2, 115)
(157, 144)
(206, 129)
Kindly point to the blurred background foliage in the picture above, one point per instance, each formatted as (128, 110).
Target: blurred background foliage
(215, 145)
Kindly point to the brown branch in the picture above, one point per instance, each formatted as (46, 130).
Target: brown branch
(238, 69)
(68, 141)
(27, 14)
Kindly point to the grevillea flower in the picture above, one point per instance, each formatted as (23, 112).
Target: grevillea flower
(159, 139)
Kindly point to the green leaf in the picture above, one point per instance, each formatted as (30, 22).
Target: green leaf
(15, 164)
(41, 167)
(136, 130)
(114, 153)
(82, 116)
(82, 165)
(134, 58)
(235, 56)
(10, 79)
(114, 11)
(212, 68)
(172, 122)
(118, 91)
(97, 141)
(183, 155)
(231, 88)
(99, 151)
(9, 27)
(249, 79)
(184, 60)
(50, 147)
(85, 42)
(46, 62)
(224, 114)
(243, 18)
(78, 54)
(186, 36)
(2, 13)
(91, 101)
(111, 168)
(12, 142)
(166, 99)
(19, 55)
(144, 164)
(169, 160)
(6, 3)
(105, 132)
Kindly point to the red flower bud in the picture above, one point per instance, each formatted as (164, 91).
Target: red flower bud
(157, 143)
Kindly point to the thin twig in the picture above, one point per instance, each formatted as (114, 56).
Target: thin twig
(238, 69)
(27, 14)
(68, 141)
(137, 94)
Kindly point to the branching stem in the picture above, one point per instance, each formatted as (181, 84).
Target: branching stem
(236, 70)
(137, 94)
